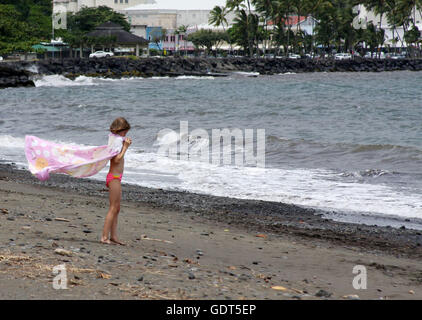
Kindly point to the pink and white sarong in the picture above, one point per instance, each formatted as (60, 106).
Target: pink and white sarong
(45, 157)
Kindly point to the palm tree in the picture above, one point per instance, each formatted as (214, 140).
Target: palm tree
(299, 7)
(379, 7)
(182, 30)
(286, 9)
(312, 6)
(326, 29)
(267, 9)
(163, 37)
(218, 17)
(240, 7)
(246, 31)
(394, 18)
(406, 16)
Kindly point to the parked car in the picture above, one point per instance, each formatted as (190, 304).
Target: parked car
(342, 56)
(375, 55)
(294, 56)
(395, 56)
(1, 58)
(101, 54)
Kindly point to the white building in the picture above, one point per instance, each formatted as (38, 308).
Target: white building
(365, 17)
(172, 14)
(76, 5)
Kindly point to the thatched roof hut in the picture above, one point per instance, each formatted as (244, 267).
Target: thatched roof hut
(111, 29)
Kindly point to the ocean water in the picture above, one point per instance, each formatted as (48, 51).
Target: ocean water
(349, 144)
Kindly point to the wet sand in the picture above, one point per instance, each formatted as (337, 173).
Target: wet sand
(188, 246)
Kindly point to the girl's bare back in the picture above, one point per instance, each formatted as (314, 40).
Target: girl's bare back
(117, 167)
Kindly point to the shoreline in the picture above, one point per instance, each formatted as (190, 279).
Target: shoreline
(258, 215)
(189, 246)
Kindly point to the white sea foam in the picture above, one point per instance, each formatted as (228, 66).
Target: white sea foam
(195, 77)
(62, 81)
(244, 73)
(313, 188)
(117, 80)
(7, 141)
(32, 68)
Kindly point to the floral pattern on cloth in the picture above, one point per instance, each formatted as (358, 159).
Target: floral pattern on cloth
(45, 157)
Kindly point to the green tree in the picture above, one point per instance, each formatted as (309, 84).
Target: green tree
(412, 37)
(23, 23)
(373, 37)
(206, 39)
(87, 19)
(15, 34)
(243, 11)
(246, 31)
(335, 26)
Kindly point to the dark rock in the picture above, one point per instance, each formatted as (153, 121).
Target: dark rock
(14, 76)
(244, 277)
(323, 293)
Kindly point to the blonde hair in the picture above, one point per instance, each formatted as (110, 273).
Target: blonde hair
(119, 124)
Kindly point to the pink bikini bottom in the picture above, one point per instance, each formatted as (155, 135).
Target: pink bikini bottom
(111, 176)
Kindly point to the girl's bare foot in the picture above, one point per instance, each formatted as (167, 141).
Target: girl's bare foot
(105, 241)
(117, 241)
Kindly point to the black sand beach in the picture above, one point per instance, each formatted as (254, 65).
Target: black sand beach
(188, 246)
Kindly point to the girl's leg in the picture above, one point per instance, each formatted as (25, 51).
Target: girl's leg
(113, 231)
(115, 190)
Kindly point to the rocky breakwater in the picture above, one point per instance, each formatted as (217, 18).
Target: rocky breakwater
(159, 67)
(126, 67)
(276, 66)
(13, 77)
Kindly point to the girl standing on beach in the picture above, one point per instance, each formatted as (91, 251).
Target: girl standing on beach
(113, 182)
